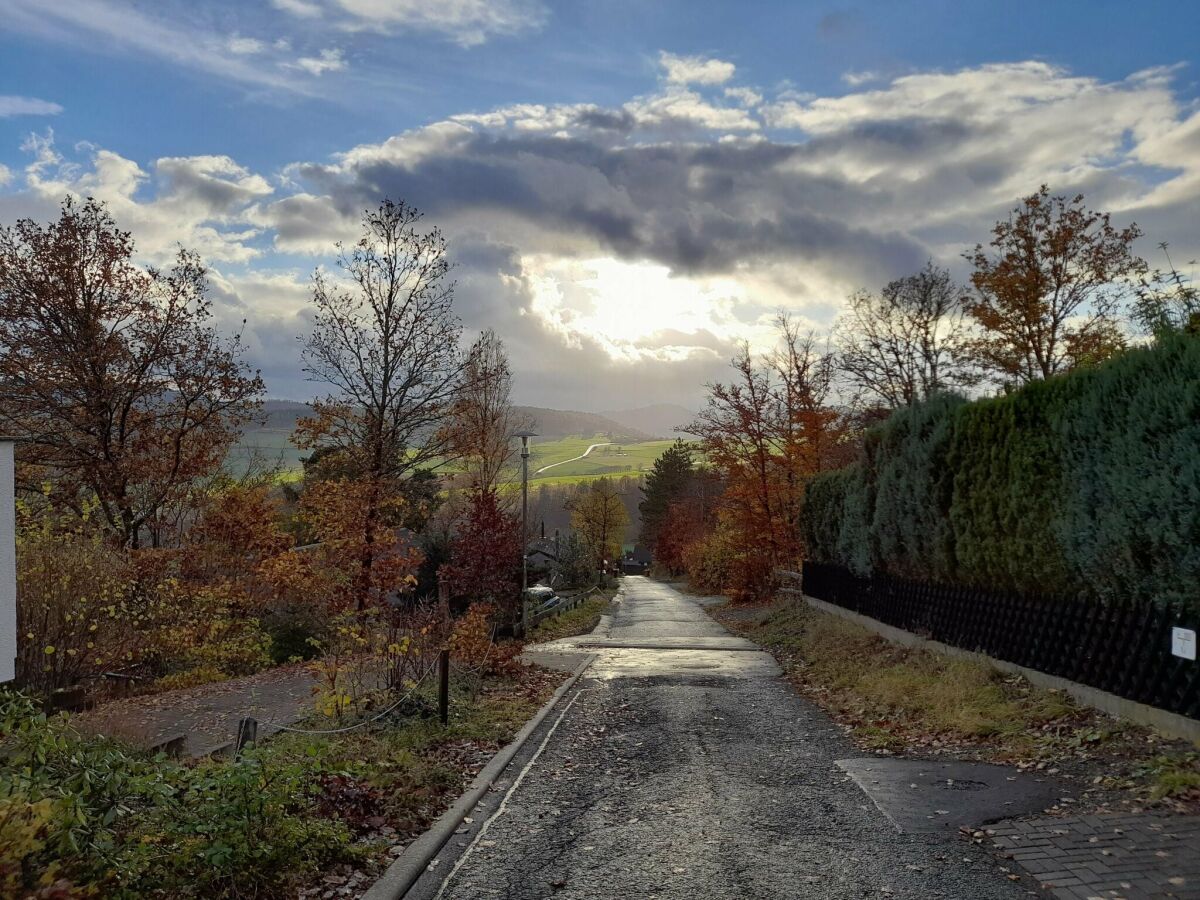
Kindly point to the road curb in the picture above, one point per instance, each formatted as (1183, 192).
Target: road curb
(403, 873)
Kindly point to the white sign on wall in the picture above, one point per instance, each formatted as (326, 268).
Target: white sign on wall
(8, 565)
(1183, 642)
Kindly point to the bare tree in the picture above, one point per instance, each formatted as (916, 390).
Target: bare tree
(386, 340)
(110, 371)
(1049, 290)
(483, 422)
(907, 342)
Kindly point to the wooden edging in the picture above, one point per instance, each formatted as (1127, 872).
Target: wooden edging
(402, 874)
(1168, 723)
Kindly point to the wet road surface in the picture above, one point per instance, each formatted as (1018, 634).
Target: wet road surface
(682, 766)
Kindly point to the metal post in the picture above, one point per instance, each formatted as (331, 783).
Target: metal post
(525, 436)
(444, 686)
(247, 734)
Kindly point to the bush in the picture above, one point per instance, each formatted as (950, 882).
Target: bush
(84, 811)
(205, 628)
(1086, 484)
(77, 614)
(726, 561)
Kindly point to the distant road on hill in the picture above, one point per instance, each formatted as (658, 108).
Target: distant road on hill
(563, 462)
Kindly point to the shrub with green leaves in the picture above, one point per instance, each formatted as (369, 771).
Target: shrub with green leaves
(1086, 484)
(84, 812)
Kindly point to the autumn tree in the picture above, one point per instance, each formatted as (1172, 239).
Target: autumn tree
(908, 341)
(766, 432)
(1049, 287)
(483, 423)
(236, 527)
(599, 517)
(485, 554)
(110, 371)
(342, 516)
(665, 483)
(385, 340)
(690, 515)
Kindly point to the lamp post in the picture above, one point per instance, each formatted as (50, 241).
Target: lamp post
(525, 436)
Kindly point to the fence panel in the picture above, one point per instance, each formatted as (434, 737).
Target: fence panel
(1115, 647)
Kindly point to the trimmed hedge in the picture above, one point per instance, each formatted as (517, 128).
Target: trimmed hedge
(1084, 485)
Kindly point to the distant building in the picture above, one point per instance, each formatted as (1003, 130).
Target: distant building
(636, 561)
(542, 557)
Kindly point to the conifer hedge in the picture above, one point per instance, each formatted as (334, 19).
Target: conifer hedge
(1084, 485)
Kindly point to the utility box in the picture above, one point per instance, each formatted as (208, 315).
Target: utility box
(8, 565)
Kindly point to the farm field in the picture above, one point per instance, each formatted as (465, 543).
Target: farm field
(618, 458)
(271, 447)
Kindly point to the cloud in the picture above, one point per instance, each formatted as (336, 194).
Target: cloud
(245, 45)
(679, 106)
(200, 202)
(695, 69)
(622, 250)
(855, 79)
(744, 95)
(11, 105)
(465, 22)
(6, 175)
(327, 61)
(176, 33)
(302, 8)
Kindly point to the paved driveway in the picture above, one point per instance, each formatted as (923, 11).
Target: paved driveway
(683, 766)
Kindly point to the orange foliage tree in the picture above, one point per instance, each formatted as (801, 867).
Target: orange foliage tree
(1049, 289)
(766, 433)
(352, 566)
(113, 377)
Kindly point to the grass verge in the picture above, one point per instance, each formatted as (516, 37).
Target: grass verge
(892, 699)
(300, 815)
(580, 620)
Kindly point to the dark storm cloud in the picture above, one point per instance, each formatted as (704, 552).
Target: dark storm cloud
(696, 208)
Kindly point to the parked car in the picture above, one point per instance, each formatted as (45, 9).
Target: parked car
(542, 598)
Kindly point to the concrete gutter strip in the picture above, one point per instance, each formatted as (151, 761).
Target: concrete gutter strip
(411, 864)
(1168, 723)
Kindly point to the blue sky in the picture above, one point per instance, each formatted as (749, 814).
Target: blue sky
(628, 187)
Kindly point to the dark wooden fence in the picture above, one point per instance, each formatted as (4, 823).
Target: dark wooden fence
(1119, 648)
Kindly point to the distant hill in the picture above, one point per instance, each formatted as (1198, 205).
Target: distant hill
(558, 423)
(659, 420)
(269, 442)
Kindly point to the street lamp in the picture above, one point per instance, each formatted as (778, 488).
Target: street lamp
(525, 436)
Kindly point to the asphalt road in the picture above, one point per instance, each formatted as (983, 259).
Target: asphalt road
(683, 766)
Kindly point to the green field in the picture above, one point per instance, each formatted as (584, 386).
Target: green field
(615, 459)
(618, 460)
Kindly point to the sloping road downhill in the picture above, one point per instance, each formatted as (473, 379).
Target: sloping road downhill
(682, 766)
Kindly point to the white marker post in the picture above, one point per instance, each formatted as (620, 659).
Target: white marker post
(8, 565)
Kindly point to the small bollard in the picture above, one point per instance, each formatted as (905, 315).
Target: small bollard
(444, 686)
(247, 734)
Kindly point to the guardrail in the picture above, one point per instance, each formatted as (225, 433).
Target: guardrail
(568, 604)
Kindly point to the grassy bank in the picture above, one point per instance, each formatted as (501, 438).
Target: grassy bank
(299, 815)
(896, 700)
(581, 620)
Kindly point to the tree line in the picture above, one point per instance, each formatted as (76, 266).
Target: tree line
(137, 550)
(1057, 288)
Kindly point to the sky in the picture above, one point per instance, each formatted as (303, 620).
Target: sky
(628, 189)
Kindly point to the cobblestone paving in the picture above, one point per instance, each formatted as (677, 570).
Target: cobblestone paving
(1107, 856)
